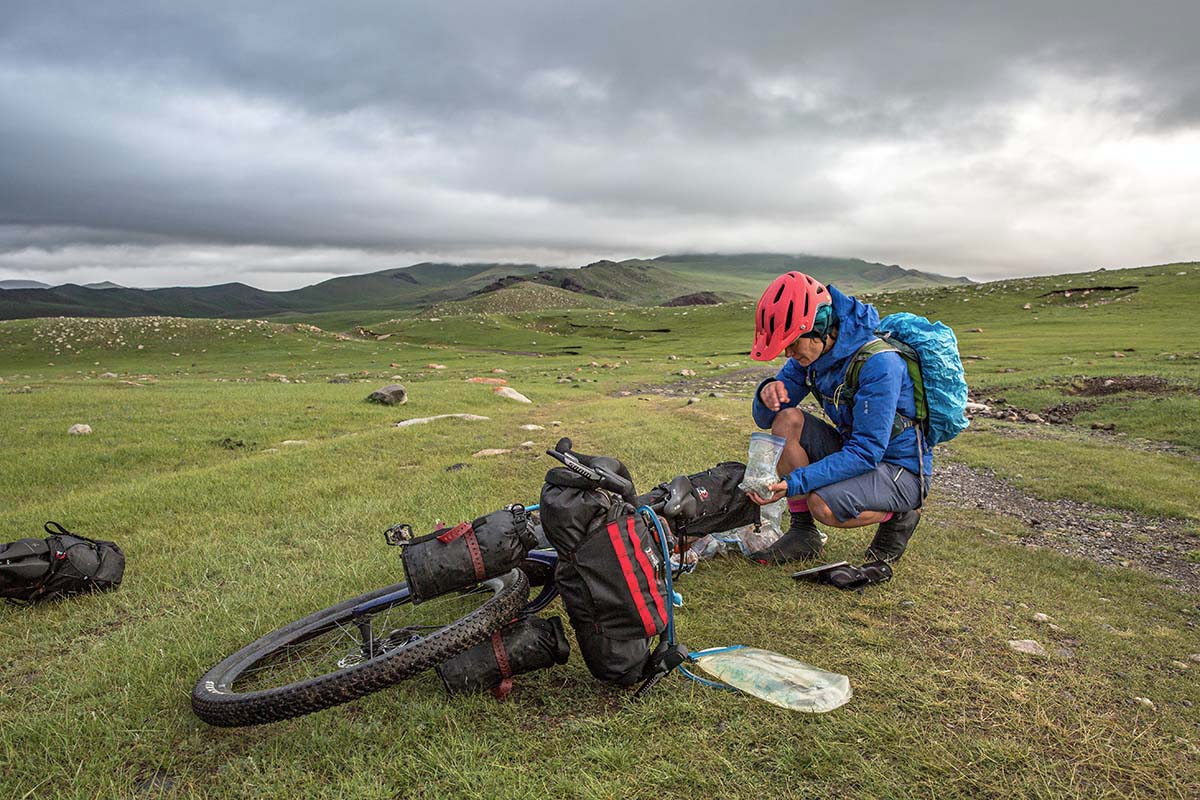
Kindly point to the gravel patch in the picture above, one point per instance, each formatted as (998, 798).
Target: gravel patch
(1158, 545)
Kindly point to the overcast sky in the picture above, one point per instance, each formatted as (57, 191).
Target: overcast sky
(279, 144)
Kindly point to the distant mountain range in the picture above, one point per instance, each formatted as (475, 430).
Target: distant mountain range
(636, 281)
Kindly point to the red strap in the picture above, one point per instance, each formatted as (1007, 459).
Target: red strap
(506, 683)
(644, 563)
(453, 533)
(614, 536)
(467, 533)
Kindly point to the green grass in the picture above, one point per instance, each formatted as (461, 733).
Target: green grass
(226, 544)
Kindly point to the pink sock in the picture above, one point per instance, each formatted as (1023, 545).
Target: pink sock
(886, 517)
(796, 504)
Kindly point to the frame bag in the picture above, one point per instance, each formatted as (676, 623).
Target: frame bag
(61, 565)
(720, 505)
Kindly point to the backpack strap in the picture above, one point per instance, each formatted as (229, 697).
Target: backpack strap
(884, 343)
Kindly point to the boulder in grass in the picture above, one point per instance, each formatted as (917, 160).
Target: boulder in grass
(80, 429)
(509, 393)
(393, 394)
(1029, 647)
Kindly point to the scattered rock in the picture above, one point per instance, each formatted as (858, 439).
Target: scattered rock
(688, 373)
(531, 427)
(79, 429)
(340, 379)
(271, 450)
(907, 603)
(489, 381)
(108, 375)
(1040, 617)
(672, 358)
(435, 366)
(423, 420)
(1194, 657)
(291, 442)
(1144, 702)
(1118, 354)
(975, 330)
(491, 451)
(457, 467)
(526, 444)
(978, 408)
(1027, 646)
(1064, 652)
(391, 395)
(509, 393)
(693, 400)
(1027, 306)
(555, 423)
(1180, 665)
(499, 371)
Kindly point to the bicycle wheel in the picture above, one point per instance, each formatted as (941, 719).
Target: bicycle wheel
(351, 649)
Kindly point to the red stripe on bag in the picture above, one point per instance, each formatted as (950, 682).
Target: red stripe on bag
(614, 536)
(464, 529)
(647, 569)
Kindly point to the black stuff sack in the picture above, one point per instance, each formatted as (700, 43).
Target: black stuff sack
(61, 565)
(524, 645)
(459, 557)
(720, 505)
(609, 575)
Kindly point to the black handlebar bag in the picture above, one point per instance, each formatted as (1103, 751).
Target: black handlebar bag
(609, 575)
(61, 565)
(455, 558)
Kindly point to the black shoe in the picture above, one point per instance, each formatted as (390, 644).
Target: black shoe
(892, 537)
(802, 541)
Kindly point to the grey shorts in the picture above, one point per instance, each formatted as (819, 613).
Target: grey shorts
(888, 487)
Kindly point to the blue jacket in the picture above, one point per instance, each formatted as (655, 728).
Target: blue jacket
(884, 386)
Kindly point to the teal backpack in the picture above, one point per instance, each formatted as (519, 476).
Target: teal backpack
(930, 351)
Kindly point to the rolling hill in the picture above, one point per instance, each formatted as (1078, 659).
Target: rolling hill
(643, 282)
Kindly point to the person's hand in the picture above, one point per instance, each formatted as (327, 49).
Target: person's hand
(774, 395)
(778, 491)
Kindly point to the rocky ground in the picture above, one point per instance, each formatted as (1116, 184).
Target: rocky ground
(1159, 545)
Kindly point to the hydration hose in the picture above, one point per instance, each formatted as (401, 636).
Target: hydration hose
(670, 634)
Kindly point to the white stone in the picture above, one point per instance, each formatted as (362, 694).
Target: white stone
(531, 427)
(978, 408)
(79, 429)
(526, 444)
(290, 442)
(423, 420)
(509, 393)
(1145, 702)
(108, 375)
(491, 451)
(1040, 617)
(1027, 646)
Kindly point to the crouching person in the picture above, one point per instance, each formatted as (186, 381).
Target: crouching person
(871, 467)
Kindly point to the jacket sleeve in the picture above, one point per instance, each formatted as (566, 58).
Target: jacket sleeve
(874, 412)
(792, 375)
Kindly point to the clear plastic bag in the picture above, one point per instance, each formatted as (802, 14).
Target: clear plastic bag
(779, 680)
(765, 449)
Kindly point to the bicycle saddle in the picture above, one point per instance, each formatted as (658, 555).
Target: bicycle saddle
(680, 502)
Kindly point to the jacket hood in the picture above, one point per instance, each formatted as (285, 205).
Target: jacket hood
(857, 323)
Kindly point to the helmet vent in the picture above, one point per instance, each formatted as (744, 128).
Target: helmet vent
(779, 294)
(787, 322)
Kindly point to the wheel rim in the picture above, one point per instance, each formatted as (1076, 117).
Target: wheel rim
(347, 640)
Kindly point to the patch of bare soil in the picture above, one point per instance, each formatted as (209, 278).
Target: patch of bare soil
(1158, 545)
(1101, 386)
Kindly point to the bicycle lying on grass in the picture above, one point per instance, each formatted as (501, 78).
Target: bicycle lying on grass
(379, 638)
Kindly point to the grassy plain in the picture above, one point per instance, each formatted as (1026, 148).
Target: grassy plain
(229, 533)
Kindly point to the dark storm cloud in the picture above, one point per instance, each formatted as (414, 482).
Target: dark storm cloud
(573, 128)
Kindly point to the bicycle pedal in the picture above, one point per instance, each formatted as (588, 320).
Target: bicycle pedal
(398, 534)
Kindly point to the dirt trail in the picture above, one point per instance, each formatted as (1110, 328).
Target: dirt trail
(1158, 545)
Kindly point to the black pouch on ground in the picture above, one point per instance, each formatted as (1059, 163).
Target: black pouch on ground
(609, 575)
(720, 504)
(524, 645)
(454, 558)
(844, 575)
(61, 565)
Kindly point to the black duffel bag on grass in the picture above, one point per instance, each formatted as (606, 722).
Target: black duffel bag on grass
(456, 558)
(61, 565)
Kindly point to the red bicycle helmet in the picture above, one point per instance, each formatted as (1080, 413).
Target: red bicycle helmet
(785, 311)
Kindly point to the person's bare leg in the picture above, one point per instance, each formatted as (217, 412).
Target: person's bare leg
(823, 514)
(788, 424)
